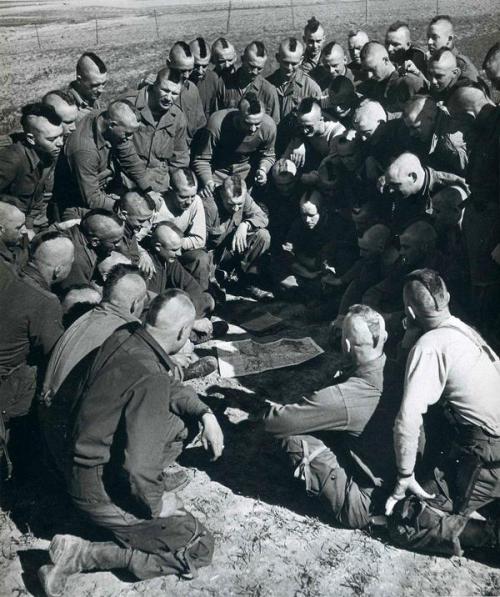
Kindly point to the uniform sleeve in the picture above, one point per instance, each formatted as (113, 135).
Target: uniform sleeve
(425, 378)
(46, 327)
(220, 95)
(323, 411)
(254, 214)
(184, 401)
(180, 155)
(272, 101)
(132, 165)
(182, 279)
(202, 163)
(84, 166)
(266, 153)
(196, 119)
(196, 235)
(9, 163)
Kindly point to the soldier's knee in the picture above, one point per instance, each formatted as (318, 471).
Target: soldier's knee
(262, 239)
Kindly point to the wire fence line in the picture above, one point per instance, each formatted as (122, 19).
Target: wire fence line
(228, 18)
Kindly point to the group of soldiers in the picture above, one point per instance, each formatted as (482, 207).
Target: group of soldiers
(365, 183)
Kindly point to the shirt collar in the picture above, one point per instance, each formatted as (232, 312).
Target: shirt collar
(141, 333)
(31, 272)
(80, 102)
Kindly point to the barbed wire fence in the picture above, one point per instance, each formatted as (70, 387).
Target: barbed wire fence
(226, 18)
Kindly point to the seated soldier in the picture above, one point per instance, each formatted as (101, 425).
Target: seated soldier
(236, 142)
(98, 233)
(281, 197)
(95, 158)
(356, 41)
(233, 86)
(223, 56)
(181, 61)
(87, 88)
(406, 190)
(401, 50)
(343, 176)
(205, 79)
(121, 444)
(316, 136)
(238, 237)
(376, 256)
(339, 438)
(33, 326)
(138, 212)
(161, 138)
(314, 40)
(27, 166)
(13, 238)
(341, 101)
(450, 364)
(417, 249)
(386, 85)
(439, 141)
(184, 208)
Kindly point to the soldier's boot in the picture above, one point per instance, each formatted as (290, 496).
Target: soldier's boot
(481, 534)
(71, 554)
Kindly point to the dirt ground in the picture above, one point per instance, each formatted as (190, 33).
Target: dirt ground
(271, 540)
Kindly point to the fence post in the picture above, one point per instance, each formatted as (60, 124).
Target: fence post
(366, 11)
(437, 7)
(228, 16)
(293, 13)
(96, 33)
(38, 37)
(157, 30)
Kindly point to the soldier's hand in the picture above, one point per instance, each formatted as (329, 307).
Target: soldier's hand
(211, 435)
(204, 326)
(171, 505)
(410, 67)
(146, 264)
(261, 177)
(208, 190)
(404, 485)
(298, 155)
(149, 79)
(239, 243)
(495, 254)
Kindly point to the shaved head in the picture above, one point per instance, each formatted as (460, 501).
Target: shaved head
(367, 119)
(76, 296)
(404, 177)
(375, 240)
(53, 256)
(376, 62)
(467, 100)
(448, 207)
(333, 59)
(137, 210)
(201, 54)
(426, 294)
(12, 223)
(125, 288)
(363, 333)
(65, 107)
(107, 264)
(416, 242)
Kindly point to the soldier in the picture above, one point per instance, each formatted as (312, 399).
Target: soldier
(96, 155)
(238, 236)
(400, 48)
(248, 79)
(65, 107)
(356, 41)
(440, 34)
(87, 88)
(438, 140)
(236, 141)
(161, 139)
(119, 435)
(204, 78)
(32, 328)
(314, 40)
(181, 60)
(223, 56)
(12, 232)
(444, 74)
(334, 63)
(491, 65)
(385, 84)
(27, 166)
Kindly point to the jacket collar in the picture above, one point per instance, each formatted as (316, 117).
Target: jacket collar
(141, 333)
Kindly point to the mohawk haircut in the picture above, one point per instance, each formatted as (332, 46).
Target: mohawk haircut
(95, 59)
(438, 18)
(202, 44)
(312, 25)
(260, 48)
(307, 104)
(292, 44)
(398, 25)
(235, 185)
(64, 95)
(188, 175)
(184, 46)
(254, 104)
(222, 41)
(38, 109)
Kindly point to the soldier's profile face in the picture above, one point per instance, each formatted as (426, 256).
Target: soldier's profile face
(375, 67)
(438, 36)
(13, 228)
(46, 137)
(68, 114)
(93, 82)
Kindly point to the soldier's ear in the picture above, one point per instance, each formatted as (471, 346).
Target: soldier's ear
(30, 138)
(413, 176)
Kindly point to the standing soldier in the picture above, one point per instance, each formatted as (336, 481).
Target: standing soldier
(314, 40)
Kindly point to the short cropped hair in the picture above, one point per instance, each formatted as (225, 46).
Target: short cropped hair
(306, 105)
(254, 104)
(398, 25)
(116, 273)
(370, 317)
(158, 303)
(64, 95)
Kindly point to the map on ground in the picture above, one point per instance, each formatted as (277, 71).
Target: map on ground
(247, 357)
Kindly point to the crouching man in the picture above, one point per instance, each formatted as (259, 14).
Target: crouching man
(128, 428)
(339, 438)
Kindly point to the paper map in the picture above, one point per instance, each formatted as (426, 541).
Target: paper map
(247, 357)
(262, 323)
